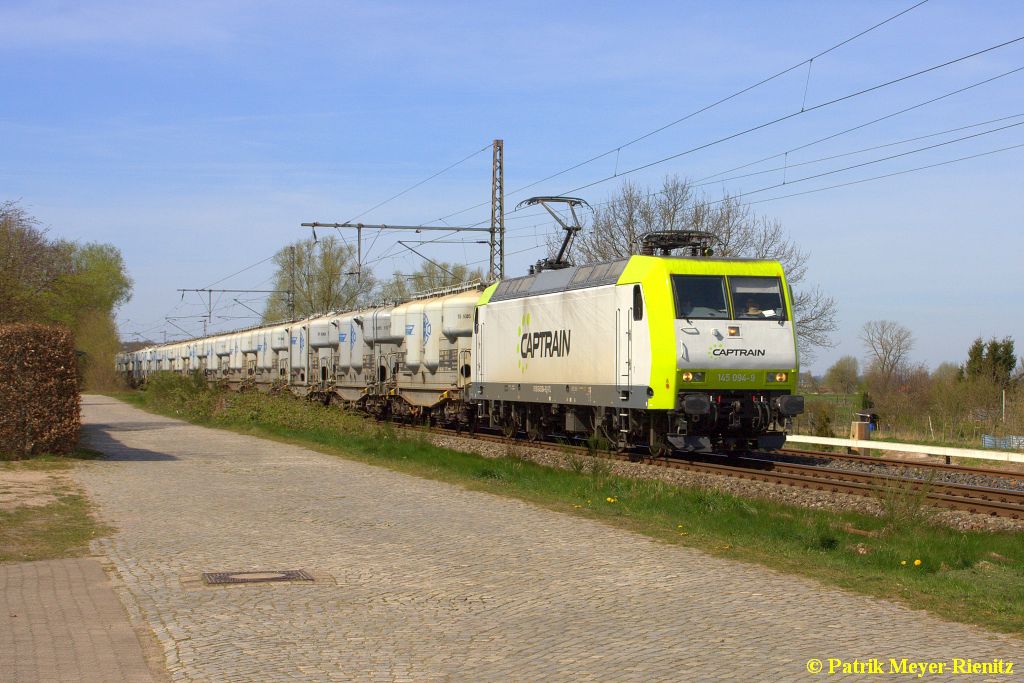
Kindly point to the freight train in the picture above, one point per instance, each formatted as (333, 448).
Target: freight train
(651, 352)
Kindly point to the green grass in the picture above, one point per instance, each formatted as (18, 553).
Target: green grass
(971, 577)
(60, 528)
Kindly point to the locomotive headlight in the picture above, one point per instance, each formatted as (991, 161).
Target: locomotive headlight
(692, 376)
(687, 376)
(778, 377)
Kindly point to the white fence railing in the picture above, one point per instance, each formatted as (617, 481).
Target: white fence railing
(1003, 456)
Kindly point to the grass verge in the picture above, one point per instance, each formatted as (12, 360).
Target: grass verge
(971, 577)
(43, 516)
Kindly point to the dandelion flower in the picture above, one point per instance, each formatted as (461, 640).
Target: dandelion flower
(917, 563)
(611, 500)
(679, 526)
(903, 562)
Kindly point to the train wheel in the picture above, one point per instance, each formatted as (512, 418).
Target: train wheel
(659, 446)
(600, 433)
(510, 426)
(534, 428)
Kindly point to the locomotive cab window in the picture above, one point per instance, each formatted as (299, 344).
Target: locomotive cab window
(638, 303)
(700, 296)
(757, 298)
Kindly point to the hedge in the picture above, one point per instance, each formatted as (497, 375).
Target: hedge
(39, 411)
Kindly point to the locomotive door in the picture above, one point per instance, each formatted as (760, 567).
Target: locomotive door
(478, 374)
(623, 352)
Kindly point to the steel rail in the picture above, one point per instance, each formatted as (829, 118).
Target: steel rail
(975, 499)
(893, 462)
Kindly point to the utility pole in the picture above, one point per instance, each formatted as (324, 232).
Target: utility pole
(291, 292)
(497, 229)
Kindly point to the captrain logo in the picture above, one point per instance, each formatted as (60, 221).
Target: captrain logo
(540, 344)
(718, 350)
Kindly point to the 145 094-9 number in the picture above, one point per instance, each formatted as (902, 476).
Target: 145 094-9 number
(737, 377)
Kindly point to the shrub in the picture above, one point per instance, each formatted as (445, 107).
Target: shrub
(39, 411)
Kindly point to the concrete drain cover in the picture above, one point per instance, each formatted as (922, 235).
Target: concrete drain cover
(217, 578)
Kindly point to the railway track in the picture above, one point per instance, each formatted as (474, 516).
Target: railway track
(906, 464)
(983, 500)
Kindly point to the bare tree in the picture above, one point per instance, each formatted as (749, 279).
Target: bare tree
(322, 276)
(429, 277)
(619, 225)
(888, 346)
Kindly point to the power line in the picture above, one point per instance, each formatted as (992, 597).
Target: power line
(889, 175)
(866, 124)
(700, 183)
(241, 271)
(425, 180)
(413, 187)
(859, 151)
(847, 184)
(866, 163)
(700, 110)
(793, 115)
(822, 139)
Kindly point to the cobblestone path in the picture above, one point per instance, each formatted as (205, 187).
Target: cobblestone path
(422, 581)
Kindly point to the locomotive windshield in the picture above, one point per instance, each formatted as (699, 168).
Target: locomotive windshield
(703, 297)
(700, 296)
(757, 298)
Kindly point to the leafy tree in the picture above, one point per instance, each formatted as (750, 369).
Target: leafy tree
(77, 285)
(994, 360)
(96, 281)
(31, 267)
(431, 276)
(843, 376)
(322, 275)
(618, 227)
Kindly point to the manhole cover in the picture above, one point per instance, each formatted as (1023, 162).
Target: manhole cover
(214, 578)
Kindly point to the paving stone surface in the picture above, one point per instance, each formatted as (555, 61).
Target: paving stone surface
(419, 580)
(60, 620)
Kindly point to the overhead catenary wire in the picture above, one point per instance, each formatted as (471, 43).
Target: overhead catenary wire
(616, 149)
(862, 164)
(413, 187)
(702, 183)
(817, 141)
(803, 110)
(845, 184)
(866, 124)
(890, 175)
(699, 182)
(422, 182)
(794, 114)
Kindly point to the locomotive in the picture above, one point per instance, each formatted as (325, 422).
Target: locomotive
(655, 352)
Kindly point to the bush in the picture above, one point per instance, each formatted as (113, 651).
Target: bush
(39, 411)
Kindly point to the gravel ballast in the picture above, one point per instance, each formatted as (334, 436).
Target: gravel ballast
(807, 498)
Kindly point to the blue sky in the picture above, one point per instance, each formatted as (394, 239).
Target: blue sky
(196, 136)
